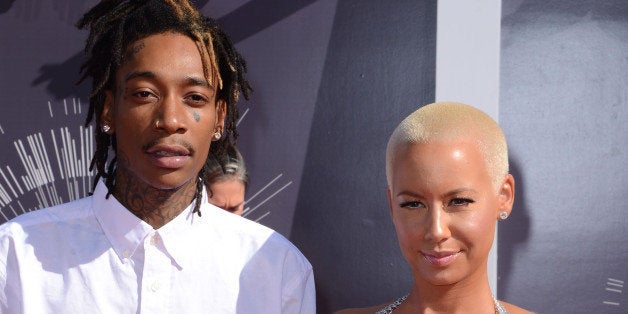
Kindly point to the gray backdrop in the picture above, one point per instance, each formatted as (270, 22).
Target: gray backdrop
(332, 78)
(564, 108)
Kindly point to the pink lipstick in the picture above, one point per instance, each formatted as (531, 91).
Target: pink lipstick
(440, 259)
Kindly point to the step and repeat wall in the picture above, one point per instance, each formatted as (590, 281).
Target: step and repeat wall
(332, 78)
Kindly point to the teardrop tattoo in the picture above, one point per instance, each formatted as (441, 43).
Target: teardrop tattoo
(197, 117)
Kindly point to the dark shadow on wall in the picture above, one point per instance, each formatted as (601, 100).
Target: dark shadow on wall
(257, 15)
(61, 78)
(379, 67)
(5, 5)
(243, 22)
(199, 3)
(513, 234)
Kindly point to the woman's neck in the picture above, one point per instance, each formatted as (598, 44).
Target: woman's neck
(472, 294)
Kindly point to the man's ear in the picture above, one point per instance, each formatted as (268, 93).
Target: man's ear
(221, 113)
(106, 116)
(506, 195)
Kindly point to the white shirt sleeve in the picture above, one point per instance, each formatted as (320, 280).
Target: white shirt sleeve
(299, 296)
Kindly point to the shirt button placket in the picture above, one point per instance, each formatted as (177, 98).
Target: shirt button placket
(157, 268)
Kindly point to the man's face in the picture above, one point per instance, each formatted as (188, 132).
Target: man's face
(228, 194)
(163, 112)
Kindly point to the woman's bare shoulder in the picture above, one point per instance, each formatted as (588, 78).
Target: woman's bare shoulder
(513, 309)
(364, 310)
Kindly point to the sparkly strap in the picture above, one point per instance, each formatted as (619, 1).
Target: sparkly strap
(392, 306)
(499, 308)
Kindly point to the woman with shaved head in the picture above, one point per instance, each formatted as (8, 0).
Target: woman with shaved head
(448, 185)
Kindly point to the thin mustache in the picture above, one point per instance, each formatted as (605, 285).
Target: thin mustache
(180, 142)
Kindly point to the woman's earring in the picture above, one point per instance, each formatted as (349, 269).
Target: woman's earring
(106, 128)
(217, 135)
(503, 215)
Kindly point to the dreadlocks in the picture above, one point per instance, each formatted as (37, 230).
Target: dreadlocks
(115, 24)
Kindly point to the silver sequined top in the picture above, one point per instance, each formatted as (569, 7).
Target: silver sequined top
(499, 308)
(392, 306)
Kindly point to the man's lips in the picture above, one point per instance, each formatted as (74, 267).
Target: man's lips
(168, 150)
(169, 156)
(440, 258)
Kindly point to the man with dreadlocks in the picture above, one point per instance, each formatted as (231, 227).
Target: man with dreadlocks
(166, 82)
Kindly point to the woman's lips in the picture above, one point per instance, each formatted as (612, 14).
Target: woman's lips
(440, 259)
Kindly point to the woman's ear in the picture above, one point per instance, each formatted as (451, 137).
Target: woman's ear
(506, 196)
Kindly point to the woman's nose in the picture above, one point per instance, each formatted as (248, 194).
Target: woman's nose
(437, 225)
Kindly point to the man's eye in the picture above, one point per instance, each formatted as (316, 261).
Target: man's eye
(461, 201)
(411, 204)
(143, 94)
(197, 99)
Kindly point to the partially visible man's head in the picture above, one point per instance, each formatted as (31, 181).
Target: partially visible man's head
(227, 179)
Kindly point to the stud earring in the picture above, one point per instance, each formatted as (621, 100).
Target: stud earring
(217, 135)
(503, 215)
(106, 128)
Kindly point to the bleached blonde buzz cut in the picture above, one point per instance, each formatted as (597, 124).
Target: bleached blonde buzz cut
(451, 121)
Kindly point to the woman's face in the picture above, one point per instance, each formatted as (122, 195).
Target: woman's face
(444, 208)
(229, 195)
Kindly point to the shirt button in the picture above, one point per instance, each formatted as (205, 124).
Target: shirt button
(126, 254)
(155, 286)
(154, 240)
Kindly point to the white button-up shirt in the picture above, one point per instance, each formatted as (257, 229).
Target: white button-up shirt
(94, 256)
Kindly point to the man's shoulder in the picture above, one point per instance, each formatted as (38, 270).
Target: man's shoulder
(256, 237)
(229, 224)
(246, 229)
(46, 216)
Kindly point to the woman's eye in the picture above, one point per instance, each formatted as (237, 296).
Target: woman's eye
(461, 201)
(411, 204)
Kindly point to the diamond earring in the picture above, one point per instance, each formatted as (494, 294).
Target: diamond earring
(217, 135)
(106, 128)
(503, 215)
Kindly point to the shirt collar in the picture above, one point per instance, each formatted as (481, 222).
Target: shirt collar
(177, 235)
(126, 232)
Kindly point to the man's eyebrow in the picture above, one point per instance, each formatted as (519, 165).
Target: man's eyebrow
(192, 80)
(135, 74)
